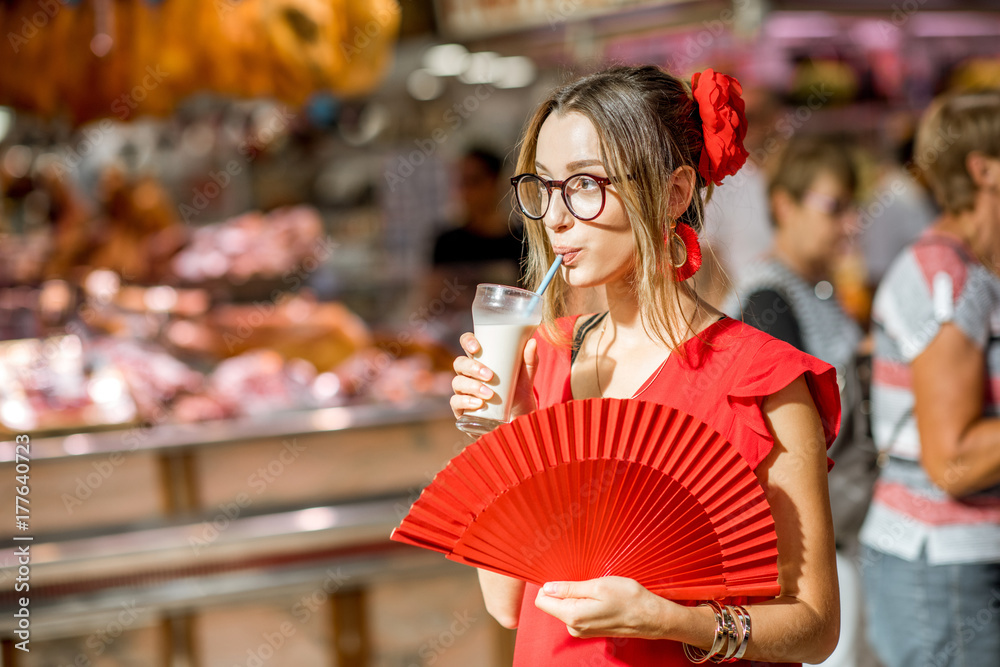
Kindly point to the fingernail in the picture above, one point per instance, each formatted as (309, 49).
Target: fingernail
(485, 392)
(551, 588)
(475, 402)
(484, 373)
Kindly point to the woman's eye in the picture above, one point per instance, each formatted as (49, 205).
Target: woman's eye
(585, 184)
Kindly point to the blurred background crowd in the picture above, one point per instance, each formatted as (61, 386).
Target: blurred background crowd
(239, 240)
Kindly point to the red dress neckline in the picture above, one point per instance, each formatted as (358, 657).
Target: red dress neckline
(682, 348)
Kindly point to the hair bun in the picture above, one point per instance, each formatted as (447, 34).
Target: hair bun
(719, 100)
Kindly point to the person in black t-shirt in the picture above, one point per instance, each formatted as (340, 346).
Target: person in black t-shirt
(486, 235)
(486, 248)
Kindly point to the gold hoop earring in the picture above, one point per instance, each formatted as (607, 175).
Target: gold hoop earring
(675, 239)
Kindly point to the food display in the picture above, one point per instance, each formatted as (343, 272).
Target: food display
(50, 384)
(160, 332)
(286, 242)
(154, 378)
(67, 383)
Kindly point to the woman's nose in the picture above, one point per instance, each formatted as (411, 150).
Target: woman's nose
(558, 218)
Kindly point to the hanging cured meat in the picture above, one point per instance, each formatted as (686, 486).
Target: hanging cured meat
(121, 59)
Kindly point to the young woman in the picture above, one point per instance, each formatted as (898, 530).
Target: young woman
(611, 171)
(932, 563)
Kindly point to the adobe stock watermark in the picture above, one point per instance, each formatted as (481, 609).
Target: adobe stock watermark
(453, 117)
(905, 523)
(363, 35)
(559, 525)
(432, 649)
(99, 641)
(123, 107)
(696, 45)
(32, 25)
(248, 150)
(71, 156)
(886, 197)
(291, 281)
(258, 481)
(103, 469)
(561, 13)
(413, 493)
(901, 13)
(272, 642)
(126, 103)
(309, 604)
(225, 7)
(787, 124)
(969, 627)
(418, 321)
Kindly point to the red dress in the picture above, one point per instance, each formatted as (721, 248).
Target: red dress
(721, 377)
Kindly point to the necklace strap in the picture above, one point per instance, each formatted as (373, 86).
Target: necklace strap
(597, 360)
(588, 325)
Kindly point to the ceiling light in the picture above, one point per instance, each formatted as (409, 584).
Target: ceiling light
(445, 59)
(480, 68)
(515, 72)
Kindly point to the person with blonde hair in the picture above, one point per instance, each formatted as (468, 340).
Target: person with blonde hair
(613, 172)
(932, 535)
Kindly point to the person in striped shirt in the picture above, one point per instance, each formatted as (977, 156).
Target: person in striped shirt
(931, 538)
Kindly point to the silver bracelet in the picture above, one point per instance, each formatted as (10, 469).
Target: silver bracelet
(731, 631)
(697, 655)
(745, 615)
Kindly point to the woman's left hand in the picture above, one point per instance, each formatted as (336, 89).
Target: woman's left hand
(606, 607)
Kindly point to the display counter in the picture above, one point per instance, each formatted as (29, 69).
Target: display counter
(221, 543)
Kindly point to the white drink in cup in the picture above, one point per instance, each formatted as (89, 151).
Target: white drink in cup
(504, 318)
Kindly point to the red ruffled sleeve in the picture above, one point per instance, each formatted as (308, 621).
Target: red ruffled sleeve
(775, 366)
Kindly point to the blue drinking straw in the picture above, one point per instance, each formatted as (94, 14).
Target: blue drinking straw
(547, 279)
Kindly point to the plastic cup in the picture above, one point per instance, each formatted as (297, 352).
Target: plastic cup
(503, 318)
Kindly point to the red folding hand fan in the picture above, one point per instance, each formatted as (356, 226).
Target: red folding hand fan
(604, 487)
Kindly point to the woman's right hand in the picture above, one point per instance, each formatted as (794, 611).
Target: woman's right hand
(471, 392)
(470, 375)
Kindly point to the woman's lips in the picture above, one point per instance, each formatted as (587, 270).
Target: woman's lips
(568, 254)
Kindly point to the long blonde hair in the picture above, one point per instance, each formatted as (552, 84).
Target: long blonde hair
(648, 126)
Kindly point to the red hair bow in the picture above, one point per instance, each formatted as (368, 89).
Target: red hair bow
(724, 124)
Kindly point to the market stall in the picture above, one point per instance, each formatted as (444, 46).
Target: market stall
(219, 444)
(284, 519)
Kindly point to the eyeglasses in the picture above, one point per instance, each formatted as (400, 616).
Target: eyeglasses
(583, 194)
(829, 205)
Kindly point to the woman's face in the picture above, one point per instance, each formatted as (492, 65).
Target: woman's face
(598, 251)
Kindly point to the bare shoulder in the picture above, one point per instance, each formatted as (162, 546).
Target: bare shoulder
(794, 421)
(794, 396)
